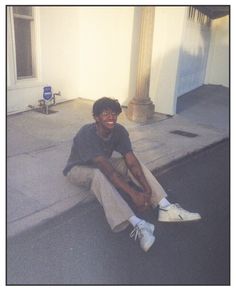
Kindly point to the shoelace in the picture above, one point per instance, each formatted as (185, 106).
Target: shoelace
(178, 206)
(136, 232)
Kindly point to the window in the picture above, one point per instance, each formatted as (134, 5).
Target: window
(23, 17)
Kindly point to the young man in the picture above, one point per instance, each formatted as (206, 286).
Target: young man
(91, 165)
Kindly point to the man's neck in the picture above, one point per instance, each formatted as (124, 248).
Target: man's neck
(103, 132)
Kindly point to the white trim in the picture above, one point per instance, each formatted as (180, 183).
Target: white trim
(11, 48)
(32, 81)
(23, 84)
(37, 44)
(23, 16)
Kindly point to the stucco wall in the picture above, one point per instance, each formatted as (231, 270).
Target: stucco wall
(105, 53)
(83, 52)
(87, 51)
(169, 23)
(218, 61)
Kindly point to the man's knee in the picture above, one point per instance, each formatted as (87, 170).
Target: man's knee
(81, 176)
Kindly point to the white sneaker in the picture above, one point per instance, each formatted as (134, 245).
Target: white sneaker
(144, 231)
(175, 213)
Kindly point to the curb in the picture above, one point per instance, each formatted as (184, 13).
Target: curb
(171, 165)
(43, 216)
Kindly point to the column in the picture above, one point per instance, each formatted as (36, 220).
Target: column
(141, 108)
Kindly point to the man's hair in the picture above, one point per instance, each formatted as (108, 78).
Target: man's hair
(105, 103)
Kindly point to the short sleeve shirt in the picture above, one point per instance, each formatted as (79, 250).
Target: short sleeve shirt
(87, 145)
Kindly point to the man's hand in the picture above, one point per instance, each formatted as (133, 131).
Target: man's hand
(141, 200)
(118, 181)
(136, 170)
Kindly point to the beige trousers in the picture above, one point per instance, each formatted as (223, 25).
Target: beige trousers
(117, 211)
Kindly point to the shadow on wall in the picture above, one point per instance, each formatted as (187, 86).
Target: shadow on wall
(191, 71)
(168, 74)
(192, 64)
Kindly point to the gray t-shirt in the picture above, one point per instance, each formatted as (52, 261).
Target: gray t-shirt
(87, 145)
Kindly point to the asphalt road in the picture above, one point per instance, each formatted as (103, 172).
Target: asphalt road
(79, 248)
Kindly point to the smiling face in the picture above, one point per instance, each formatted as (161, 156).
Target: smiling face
(105, 122)
(105, 113)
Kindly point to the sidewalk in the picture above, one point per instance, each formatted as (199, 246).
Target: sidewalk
(38, 146)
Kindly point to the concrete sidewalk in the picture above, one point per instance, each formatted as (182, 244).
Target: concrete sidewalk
(38, 146)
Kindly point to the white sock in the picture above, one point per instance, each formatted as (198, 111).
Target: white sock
(134, 220)
(164, 203)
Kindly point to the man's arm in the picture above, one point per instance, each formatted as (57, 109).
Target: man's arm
(139, 198)
(136, 170)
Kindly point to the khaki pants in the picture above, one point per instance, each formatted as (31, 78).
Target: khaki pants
(116, 209)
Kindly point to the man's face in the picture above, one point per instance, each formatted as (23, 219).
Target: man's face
(107, 119)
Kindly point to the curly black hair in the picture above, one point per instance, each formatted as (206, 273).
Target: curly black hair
(105, 103)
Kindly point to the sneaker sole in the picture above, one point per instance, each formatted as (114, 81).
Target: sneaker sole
(180, 220)
(150, 243)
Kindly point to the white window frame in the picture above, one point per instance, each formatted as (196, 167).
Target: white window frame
(13, 81)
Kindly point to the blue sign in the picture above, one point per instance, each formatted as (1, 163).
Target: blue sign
(47, 93)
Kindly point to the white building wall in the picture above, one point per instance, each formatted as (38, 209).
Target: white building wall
(88, 53)
(218, 61)
(168, 30)
(193, 53)
(105, 52)
(59, 49)
(91, 52)
(82, 52)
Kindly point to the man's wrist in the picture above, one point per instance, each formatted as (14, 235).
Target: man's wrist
(147, 190)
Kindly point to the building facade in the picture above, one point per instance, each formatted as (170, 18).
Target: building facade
(90, 52)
